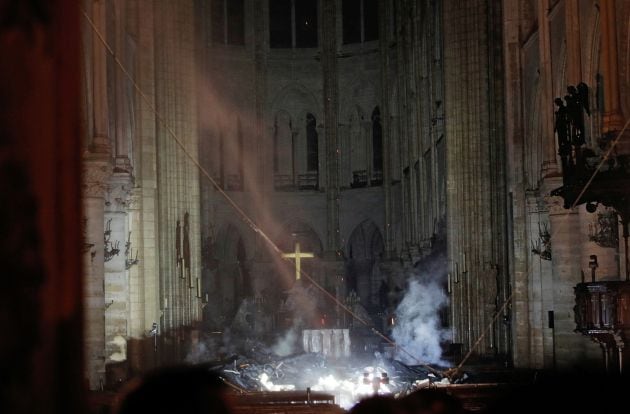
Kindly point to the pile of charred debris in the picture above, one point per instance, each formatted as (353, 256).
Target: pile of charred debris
(257, 369)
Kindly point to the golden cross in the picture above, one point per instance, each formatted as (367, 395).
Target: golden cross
(297, 255)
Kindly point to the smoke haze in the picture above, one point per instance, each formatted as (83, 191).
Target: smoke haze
(418, 328)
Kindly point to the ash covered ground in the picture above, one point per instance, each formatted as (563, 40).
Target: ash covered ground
(253, 366)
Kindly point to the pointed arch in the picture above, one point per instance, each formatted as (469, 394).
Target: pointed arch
(363, 254)
(297, 230)
(233, 282)
(302, 109)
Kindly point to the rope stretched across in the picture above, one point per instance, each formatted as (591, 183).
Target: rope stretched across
(249, 222)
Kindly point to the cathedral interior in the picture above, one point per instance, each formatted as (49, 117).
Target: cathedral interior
(284, 191)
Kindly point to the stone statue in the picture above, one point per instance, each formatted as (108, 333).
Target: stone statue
(577, 103)
(569, 125)
(562, 128)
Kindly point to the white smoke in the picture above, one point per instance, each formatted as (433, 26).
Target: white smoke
(198, 354)
(286, 344)
(302, 305)
(417, 328)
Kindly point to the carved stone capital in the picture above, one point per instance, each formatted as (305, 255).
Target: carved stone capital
(135, 197)
(119, 192)
(95, 177)
(555, 205)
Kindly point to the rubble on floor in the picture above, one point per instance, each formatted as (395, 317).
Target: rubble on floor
(348, 379)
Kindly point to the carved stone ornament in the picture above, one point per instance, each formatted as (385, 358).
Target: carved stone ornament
(604, 230)
(95, 179)
(118, 197)
(555, 205)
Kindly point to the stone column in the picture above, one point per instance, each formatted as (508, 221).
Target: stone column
(331, 87)
(97, 169)
(518, 203)
(549, 166)
(122, 133)
(570, 349)
(475, 190)
(574, 48)
(96, 172)
(100, 142)
(613, 119)
(177, 176)
(117, 285)
(384, 38)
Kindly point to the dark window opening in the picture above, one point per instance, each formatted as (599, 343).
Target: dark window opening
(218, 20)
(351, 21)
(312, 150)
(370, 20)
(228, 22)
(236, 22)
(306, 23)
(280, 24)
(360, 21)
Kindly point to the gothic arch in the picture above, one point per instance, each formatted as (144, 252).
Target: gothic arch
(301, 106)
(298, 230)
(233, 280)
(363, 253)
(297, 100)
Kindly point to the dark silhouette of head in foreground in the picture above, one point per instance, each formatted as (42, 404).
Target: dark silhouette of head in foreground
(575, 393)
(377, 405)
(186, 389)
(431, 401)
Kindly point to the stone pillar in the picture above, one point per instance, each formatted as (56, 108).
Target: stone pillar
(612, 119)
(574, 48)
(177, 175)
(123, 136)
(331, 88)
(518, 203)
(475, 186)
(384, 39)
(116, 276)
(99, 142)
(549, 166)
(570, 349)
(97, 169)
(96, 172)
(136, 325)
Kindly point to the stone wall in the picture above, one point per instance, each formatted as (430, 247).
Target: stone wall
(139, 183)
(548, 46)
